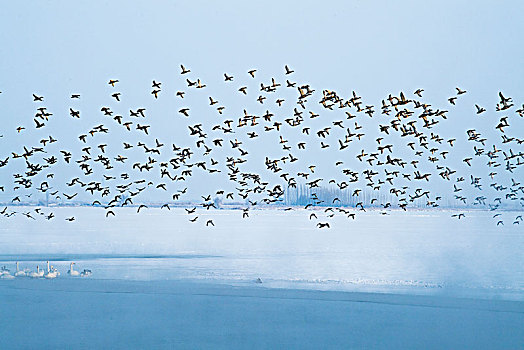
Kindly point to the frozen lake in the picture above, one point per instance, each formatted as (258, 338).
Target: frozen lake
(410, 280)
(416, 252)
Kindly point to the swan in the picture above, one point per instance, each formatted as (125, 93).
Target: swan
(37, 273)
(7, 276)
(85, 273)
(19, 273)
(51, 273)
(4, 274)
(72, 272)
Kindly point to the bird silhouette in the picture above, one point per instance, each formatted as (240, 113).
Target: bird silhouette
(393, 155)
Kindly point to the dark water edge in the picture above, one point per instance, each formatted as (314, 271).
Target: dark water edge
(116, 314)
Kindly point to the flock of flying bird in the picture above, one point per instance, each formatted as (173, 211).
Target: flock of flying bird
(405, 141)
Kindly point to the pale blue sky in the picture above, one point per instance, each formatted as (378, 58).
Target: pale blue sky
(55, 48)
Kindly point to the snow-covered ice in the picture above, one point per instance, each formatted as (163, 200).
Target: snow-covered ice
(419, 249)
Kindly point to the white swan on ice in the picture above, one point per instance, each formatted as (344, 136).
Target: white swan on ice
(85, 273)
(37, 273)
(19, 273)
(5, 274)
(51, 273)
(72, 272)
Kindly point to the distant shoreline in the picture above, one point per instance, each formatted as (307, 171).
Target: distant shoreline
(238, 206)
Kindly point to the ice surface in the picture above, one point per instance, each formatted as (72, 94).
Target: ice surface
(160, 281)
(413, 252)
